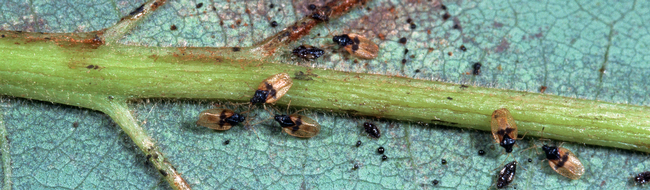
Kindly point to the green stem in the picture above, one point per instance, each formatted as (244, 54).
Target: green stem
(121, 114)
(46, 71)
(6, 155)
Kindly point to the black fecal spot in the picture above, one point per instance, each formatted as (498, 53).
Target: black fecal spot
(162, 172)
(260, 96)
(274, 24)
(3, 35)
(75, 124)
(271, 6)
(476, 68)
(435, 182)
(409, 20)
(355, 47)
(456, 26)
(462, 47)
(214, 9)
(406, 51)
(173, 27)
(463, 86)
(90, 66)
(235, 119)
(450, 98)
(284, 120)
(507, 143)
(236, 49)
(445, 16)
(443, 7)
(403, 61)
(552, 152)
(137, 10)
(417, 70)
(372, 130)
(311, 7)
(342, 40)
(402, 40)
(198, 6)
(226, 142)
(413, 26)
(356, 40)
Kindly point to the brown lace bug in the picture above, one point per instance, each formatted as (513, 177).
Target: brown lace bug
(642, 178)
(308, 52)
(506, 175)
(372, 130)
(504, 129)
(564, 162)
(219, 119)
(357, 45)
(298, 125)
(272, 89)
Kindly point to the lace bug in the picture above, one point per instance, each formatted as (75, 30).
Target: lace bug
(272, 89)
(219, 119)
(506, 175)
(372, 130)
(357, 45)
(308, 52)
(504, 129)
(564, 162)
(298, 125)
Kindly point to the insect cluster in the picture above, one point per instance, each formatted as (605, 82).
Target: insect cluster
(269, 91)
(504, 132)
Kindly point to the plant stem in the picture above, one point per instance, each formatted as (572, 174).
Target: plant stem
(48, 71)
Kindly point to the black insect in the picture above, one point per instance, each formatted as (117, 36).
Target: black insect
(380, 150)
(358, 143)
(226, 142)
(372, 130)
(274, 24)
(462, 47)
(384, 157)
(444, 161)
(530, 160)
(435, 182)
(477, 68)
(481, 152)
(642, 178)
(356, 166)
(343, 40)
(308, 52)
(506, 175)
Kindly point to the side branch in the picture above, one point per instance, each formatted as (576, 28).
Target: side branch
(118, 110)
(117, 31)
